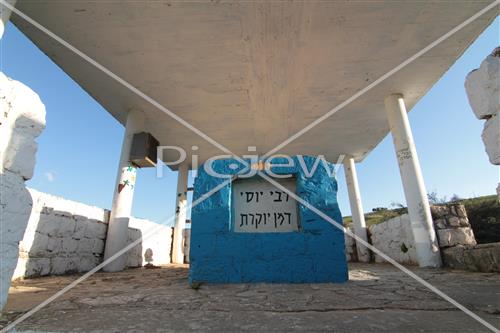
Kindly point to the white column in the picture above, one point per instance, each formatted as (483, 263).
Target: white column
(117, 236)
(416, 195)
(4, 16)
(358, 216)
(180, 215)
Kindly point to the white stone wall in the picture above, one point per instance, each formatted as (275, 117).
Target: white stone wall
(452, 225)
(62, 236)
(65, 236)
(135, 255)
(156, 237)
(22, 119)
(476, 258)
(394, 238)
(483, 90)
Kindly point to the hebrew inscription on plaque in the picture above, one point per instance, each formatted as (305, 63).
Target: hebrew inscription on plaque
(259, 206)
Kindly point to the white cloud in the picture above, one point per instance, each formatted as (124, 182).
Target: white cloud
(50, 175)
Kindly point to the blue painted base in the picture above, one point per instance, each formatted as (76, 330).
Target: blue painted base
(316, 253)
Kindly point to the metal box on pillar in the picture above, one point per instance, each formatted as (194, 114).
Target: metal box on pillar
(143, 152)
(251, 231)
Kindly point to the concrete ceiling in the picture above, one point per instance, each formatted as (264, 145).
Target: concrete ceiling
(254, 73)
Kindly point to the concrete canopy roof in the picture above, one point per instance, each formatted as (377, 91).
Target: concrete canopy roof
(254, 73)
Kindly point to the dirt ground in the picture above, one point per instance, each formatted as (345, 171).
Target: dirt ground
(378, 298)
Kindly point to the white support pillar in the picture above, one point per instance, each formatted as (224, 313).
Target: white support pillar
(180, 215)
(358, 216)
(117, 235)
(5, 15)
(416, 195)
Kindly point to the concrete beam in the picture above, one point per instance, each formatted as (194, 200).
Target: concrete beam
(358, 216)
(180, 215)
(123, 197)
(411, 175)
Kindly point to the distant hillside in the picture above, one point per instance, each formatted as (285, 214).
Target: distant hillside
(378, 216)
(484, 217)
(483, 213)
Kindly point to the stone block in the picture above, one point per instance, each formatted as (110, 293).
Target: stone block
(452, 237)
(54, 245)
(86, 263)
(69, 245)
(491, 138)
(461, 211)
(482, 258)
(15, 207)
(483, 89)
(449, 216)
(464, 222)
(22, 119)
(486, 257)
(101, 229)
(440, 223)
(95, 229)
(20, 153)
(98, 247)
(66, 227)
(85, 245)
(39, 246)
(63, 265)
(35, 267)
(80, 226)
(48, 225)
(454, 221)
(439, 211)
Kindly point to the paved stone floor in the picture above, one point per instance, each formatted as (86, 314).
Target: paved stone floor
(378, 298)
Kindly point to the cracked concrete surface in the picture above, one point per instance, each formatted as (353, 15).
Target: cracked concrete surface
(378, 298)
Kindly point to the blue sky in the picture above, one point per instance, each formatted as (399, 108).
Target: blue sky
(79, 149)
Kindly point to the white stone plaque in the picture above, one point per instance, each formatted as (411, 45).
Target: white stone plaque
(259, 206)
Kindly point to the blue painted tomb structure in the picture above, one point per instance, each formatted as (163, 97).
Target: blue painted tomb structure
(251, 231)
